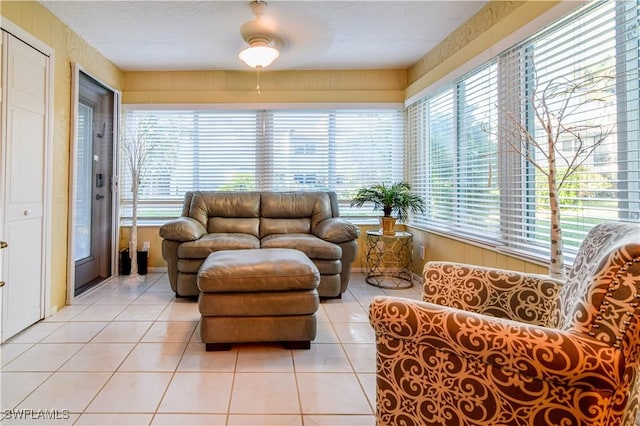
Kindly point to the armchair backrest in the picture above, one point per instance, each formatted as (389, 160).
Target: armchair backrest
(602, 292)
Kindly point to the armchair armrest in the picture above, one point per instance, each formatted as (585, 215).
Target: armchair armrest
(555, 356)
(336, 230)
(527, 298)
(182, 229)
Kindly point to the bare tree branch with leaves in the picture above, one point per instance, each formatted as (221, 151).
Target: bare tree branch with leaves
(557, 107)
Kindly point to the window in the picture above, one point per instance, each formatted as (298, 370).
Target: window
(277, 150)
(479, 187)
(457, 173)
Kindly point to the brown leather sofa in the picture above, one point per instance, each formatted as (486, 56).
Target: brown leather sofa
(306, 221)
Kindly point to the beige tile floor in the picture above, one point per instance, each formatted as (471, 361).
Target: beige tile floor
(130, 353)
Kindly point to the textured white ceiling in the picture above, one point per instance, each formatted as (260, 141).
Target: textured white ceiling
(204, 35)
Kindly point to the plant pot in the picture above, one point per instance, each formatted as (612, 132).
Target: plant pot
(125, 262)
(388, 225)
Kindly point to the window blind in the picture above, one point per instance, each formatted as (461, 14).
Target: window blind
(277, 150)
(440, 183)
(188, 150)
(460, 162)
(461, 138)
(596, 47)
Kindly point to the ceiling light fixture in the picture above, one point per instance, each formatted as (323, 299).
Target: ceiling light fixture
(263, 43)
(259, 55)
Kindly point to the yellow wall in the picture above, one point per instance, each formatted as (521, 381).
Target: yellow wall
(69, 48)
(494, 22)
(349, 86)
(150, 234)
(438, 247)
(458, 41)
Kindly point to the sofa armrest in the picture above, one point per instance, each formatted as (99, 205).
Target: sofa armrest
(555, 356)
(336, 230)
(182, 229)
(528, 298)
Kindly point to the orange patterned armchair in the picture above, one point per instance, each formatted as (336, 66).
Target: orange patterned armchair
(494, 347)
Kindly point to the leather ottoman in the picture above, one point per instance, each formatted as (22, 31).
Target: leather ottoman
(258, 295)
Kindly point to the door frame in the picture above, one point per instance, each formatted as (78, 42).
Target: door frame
(45, 283)
(76, 69)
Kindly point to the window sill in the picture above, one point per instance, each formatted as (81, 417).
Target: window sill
(151, 223)
(145, 223)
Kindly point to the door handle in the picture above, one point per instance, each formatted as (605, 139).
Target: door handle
(99, 197)
(3, 244)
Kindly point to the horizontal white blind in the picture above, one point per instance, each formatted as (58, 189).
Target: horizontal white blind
(440, 187)
(338, 150)
(478, 153)
(189, 150)
(461, 156)
(460, 139)
(341, 151)
(595, 127)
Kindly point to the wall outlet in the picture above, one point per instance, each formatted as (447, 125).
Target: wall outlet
(421, 251)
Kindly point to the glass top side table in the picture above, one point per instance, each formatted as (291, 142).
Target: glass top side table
(388, 260)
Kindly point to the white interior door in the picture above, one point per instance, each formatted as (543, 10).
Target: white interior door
(22, 183)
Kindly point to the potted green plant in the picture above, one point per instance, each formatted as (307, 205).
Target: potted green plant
(396, 197)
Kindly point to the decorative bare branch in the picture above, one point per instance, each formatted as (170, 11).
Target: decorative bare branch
(556, 107)
(137, 149)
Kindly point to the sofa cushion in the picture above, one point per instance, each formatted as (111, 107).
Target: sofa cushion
(206, 205)
(257, 271)
(210, 243)
(236, 225)
(293, 212)
(309, 244)
(269, 226)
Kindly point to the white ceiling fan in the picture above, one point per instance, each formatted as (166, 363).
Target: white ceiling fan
(264, 43)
